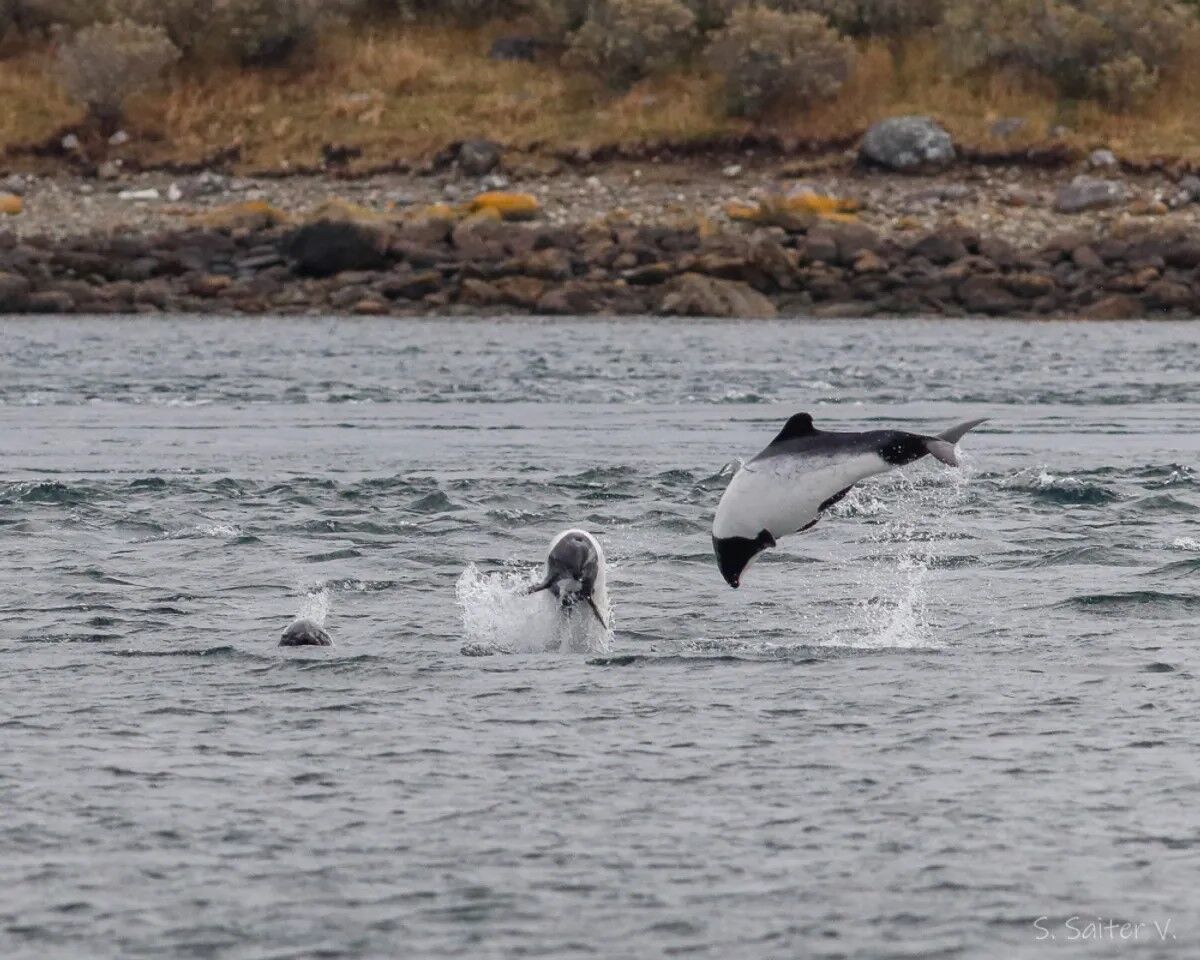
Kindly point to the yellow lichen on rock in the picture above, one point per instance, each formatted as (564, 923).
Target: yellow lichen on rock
(740, 210)
(435, 211)
(793, 210)
(10, 204)
(510, 206)
(337, 208)
(249, 215)
(819, 204)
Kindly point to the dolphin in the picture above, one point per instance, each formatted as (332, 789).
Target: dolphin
(575, 573)
(801, 474)
(305, 633)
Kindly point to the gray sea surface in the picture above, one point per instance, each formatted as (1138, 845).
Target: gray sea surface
(958, 718)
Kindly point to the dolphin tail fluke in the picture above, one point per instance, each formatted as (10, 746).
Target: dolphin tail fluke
(954, 434)
(942, 446)
(942, 450)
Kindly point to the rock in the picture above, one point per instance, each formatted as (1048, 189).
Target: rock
(1089, 193)
(10, 205)
(696, 295)
(370, 307)
(141, 195)
(869, 262)
(981, 294)
(477, 158)
(1020, 197)
(650, 274)
(819, 247)
(575, 297)
(1116, 307)
(119, 139)
(1145, 207)
(517, 48)
(14, 288)
(1006, 127)
(249, 215)
(943, 193)
(907, 144)
(208, 285)
(941, 246)
(1085, 258)
(1183, 254)
(327, 247)
(1188, 191)
(552, 263)
(70, 143)
(1166, 294)
(523, 292)
(480, 239)
(732, 171)
(49, 301)
(1029, 286)
(413, 286)
(109, 170)
(174, 193)
(14, 183)
(507, 206)
(1102, 160)
(479, 293)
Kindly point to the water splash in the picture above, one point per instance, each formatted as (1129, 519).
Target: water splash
(500, 616)
(315, 606)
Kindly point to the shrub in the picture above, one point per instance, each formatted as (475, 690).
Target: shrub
(41, 15)
(766, 56)
(267, 33)
(1112, 50)
(188, 23)
(711, 14)
(106, 63)
(625, 40)
(869, 18)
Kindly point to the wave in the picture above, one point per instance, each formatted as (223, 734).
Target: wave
(1045, 487)
(1140, 602)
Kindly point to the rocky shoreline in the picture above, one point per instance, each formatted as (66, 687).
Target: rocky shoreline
(484, 266)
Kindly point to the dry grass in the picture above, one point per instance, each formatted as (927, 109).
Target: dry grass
(405, 92)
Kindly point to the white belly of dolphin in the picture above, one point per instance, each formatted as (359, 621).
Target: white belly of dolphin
(784, 494)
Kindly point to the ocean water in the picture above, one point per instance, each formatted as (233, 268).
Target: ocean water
(958, 718)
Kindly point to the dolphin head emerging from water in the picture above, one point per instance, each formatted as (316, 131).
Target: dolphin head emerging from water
(575, 572)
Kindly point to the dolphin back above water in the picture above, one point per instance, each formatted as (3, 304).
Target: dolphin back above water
(803, 472)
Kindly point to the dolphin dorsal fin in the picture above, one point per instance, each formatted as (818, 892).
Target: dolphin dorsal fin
(801, 425)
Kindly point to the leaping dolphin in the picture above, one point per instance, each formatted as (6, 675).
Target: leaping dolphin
(801, 474)
(575, 572)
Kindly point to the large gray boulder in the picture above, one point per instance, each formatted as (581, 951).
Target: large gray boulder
(1090, 193)
(907, 144)
(697, 295)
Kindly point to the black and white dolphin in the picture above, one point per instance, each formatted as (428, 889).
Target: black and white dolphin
(575, 573)
(803, 472)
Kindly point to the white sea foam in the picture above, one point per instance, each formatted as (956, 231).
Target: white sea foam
(500, 616)
(1186, 543)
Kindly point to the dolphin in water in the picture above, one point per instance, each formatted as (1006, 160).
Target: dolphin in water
(305, 633)
(575, 574)
(801, 474)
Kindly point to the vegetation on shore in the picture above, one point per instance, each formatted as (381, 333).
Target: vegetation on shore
(280, 80)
